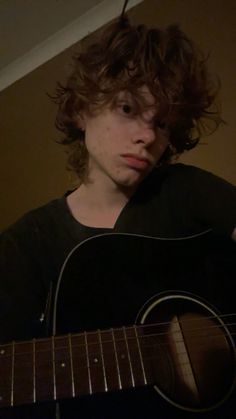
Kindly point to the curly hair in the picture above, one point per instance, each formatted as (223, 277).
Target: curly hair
(125, 58)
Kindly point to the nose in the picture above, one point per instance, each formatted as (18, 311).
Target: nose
(144, 133)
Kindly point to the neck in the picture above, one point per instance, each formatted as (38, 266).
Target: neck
(106, 197)
(96, 205)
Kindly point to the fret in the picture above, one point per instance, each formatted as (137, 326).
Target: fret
(95, 363)
(63, 367)
(128, 353)
(122, 357)
(5, 374)
(23, 383)
(44, 381)
(82, 381)
(53, 370)
(116, 358)
(152, 346)
(71, 367)
(102, 359)
(12, 373)
(88, 363)
(141, 356)
(135, 359)
(34, 380)
(110, 361)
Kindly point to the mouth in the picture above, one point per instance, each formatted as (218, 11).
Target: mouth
(136, 162)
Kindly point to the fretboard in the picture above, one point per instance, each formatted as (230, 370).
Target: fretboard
(71, 366)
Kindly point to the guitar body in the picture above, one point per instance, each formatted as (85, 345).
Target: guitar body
(143, 328)
(172, 289)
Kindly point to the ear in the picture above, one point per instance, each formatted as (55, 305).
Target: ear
(233, 236)
(81, 122)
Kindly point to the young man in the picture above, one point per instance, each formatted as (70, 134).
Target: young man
(136, 98)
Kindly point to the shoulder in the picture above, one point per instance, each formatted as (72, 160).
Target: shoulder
(33, 225)
(192, 196)
(188, 172)
(210, 198)
(187, 177)
(36, 245)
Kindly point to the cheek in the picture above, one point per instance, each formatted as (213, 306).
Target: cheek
(98, 146)
(159, 147)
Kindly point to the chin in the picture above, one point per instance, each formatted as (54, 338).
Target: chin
(129, 178)
(130, 182)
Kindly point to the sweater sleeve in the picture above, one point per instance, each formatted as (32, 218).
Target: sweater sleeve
(212, 201)
(22, 293)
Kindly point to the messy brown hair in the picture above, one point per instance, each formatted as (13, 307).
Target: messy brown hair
(126, 57)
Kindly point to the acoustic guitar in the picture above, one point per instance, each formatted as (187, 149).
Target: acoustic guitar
(144, 303)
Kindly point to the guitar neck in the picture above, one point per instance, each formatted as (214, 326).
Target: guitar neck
(72, 365)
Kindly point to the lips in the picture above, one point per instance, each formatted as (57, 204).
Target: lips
(136, 162)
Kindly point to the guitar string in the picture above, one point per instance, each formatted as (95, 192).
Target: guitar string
(94, 353)
(193, 329)
(138, 327)
(96, 356)
(218, 326)
(97, 365)
(93, 344)
(143, 326)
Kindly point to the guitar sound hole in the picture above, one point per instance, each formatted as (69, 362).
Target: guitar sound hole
(188, 353)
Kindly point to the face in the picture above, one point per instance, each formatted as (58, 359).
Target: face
(124, 145)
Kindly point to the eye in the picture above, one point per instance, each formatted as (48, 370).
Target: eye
(126, 108)
(161, 125)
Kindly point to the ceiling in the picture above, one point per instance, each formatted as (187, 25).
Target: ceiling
(34, 31)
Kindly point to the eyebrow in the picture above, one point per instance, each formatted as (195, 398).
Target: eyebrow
(126, 95)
